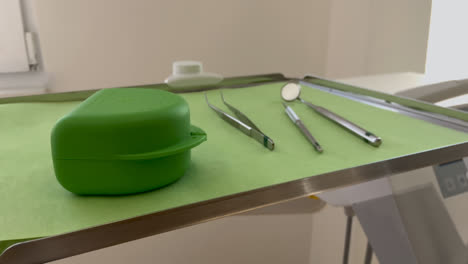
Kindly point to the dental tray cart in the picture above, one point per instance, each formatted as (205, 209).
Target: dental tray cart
(229, 173)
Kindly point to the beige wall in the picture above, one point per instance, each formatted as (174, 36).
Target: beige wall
(399, 33)
(348, 38)
(106, 43)
(372, 37)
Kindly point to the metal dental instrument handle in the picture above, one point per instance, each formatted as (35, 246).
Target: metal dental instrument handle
(293, 116)
(366, 135)
(249, 131)
(291, 91)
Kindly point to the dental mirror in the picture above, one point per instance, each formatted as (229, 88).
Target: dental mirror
(290, 91)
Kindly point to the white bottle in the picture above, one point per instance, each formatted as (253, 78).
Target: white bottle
(190, 74)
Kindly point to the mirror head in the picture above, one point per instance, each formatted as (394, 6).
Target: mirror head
(290, 91)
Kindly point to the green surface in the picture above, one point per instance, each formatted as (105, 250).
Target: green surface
(124, 141)
(33, 204)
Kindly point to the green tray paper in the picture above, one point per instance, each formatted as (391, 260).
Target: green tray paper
(33, 204)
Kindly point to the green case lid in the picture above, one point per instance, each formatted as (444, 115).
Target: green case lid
(124, 122)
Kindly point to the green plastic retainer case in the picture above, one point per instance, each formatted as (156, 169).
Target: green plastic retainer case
(123, 141)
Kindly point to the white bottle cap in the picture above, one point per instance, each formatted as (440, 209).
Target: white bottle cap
(186, 67)
(186, 74)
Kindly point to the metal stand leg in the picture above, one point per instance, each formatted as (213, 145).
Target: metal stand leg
(349, 225)
(368, 257)
(381, 221)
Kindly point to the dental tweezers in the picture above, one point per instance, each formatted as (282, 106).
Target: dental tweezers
(243, 123)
